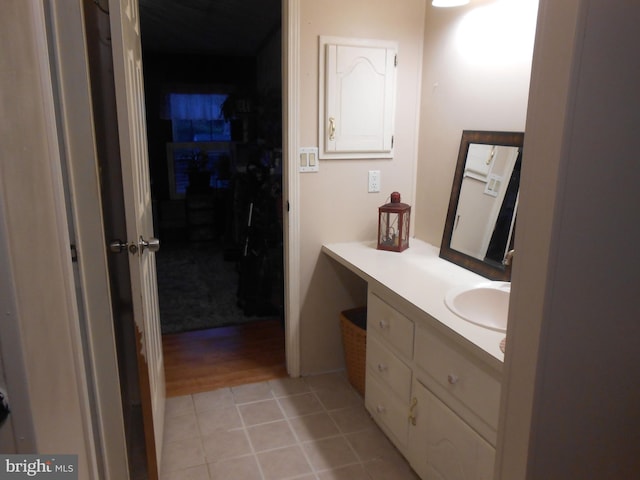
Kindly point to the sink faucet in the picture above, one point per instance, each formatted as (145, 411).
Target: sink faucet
(508, 258)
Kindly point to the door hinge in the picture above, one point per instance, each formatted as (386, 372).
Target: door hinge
(74, 253)
(392, 139)
(287, 205)
(395, 60)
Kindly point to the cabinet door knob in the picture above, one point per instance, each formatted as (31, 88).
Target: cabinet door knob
(382, 367)
(452, 379)
(380, 409)
(383, 324)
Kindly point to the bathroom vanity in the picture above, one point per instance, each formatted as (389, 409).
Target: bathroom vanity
(433, 379)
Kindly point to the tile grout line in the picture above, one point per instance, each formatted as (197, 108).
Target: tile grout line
(246, 434)
(162, 471)
(341, 434)
(242, 427)
(299, 442)
(282, 395)
(344, 435)
(295, 434)
(200, 436)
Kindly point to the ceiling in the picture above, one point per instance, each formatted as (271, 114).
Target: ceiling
(214, 27)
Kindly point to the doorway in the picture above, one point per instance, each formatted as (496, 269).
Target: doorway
(220, 268)
(98, 35)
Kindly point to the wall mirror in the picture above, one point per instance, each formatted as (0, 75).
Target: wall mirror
(481, 218)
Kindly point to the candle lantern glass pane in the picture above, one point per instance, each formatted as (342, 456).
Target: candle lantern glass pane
(389, 234)
(404, 234)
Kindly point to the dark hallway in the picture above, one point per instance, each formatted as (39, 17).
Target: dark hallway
(213, 106)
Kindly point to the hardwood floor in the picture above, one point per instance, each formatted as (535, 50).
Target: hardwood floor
(204, 360)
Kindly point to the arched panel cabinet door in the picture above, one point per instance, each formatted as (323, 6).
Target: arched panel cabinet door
(357, 98)
(442, 445)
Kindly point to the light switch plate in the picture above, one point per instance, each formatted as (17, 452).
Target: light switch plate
(308, 158)
(494, 182)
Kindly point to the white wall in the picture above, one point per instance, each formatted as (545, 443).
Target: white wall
(335, 205)
(37, 240)
(470, 66)
(570, 409)
(476, 69)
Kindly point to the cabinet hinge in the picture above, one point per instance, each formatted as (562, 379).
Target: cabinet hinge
(392, 138)
(395, 60)
(74, 253)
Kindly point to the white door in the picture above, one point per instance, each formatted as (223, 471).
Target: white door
(127, 65)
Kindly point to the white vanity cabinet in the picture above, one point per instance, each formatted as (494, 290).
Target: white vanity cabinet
(433, 380)
(432, 396)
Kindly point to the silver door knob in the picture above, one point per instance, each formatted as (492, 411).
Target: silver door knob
(117, 246)
(153, 244)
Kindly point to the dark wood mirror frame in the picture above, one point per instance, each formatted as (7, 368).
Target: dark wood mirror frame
(488, 270)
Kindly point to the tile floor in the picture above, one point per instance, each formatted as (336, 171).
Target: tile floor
(312, 428)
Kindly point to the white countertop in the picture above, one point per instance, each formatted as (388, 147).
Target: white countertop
(422, 278)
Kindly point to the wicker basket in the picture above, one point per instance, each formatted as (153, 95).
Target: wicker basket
(354, 340)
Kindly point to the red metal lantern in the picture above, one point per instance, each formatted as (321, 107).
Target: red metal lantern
(393, 225)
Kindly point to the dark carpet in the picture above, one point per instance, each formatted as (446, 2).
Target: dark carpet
(197, 288)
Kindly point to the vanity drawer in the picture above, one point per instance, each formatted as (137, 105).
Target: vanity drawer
(387, 410)
(458, 374)
(390, 325)
(388, 368)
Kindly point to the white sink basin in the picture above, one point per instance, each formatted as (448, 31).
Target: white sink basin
(486, 305)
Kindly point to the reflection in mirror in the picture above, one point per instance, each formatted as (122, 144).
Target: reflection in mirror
(484, 198)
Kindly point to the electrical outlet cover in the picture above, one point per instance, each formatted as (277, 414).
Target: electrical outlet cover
(374, 181)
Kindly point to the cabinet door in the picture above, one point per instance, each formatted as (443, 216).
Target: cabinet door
(359, 98)
(442, 446)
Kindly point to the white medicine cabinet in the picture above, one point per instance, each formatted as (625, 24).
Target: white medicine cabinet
(357, 97)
